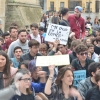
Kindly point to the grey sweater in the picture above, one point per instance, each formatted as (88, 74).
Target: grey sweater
(24, 47)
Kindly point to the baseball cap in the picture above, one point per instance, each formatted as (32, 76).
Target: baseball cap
(79, 8)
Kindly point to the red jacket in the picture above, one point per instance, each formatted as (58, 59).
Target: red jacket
(77, 25)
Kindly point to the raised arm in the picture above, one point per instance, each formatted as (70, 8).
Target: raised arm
(47, 89)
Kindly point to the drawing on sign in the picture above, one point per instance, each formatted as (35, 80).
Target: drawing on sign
(57, 32)
(78, 76)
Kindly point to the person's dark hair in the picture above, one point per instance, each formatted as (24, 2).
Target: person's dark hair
(33, 42)
(93, 40)
(18, 47)
(25, 63)
(5, 34)
(93, 67)
(64, 11)
(12, 27)
(98, 39)
(97, 77)
(90, 45)
(61, 74)
(35, 25)
(43, 46)
(75, 43)
(14, 24)
(22, 30)
(6, 69)
(80, 48)
(62, 45)
(41, 28)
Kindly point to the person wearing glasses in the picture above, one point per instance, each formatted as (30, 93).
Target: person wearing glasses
(82, 61)
(21, 88)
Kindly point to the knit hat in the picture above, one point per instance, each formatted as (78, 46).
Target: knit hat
(79, 8)
(32, 66)
(0, 21)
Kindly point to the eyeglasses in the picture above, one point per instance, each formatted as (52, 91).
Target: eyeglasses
(83, 53)
(26, 80)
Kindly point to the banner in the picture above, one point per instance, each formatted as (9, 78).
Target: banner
(78, 76)
(56, 60)
(57, 32)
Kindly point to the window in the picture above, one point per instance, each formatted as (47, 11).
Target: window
(97, 6)
(42, 3)
(61, 5)
(52, 6)
(72, 4)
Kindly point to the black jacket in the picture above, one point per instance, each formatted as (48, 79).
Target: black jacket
(27, 56)
(72, 56)
(77, 66)
(93, 94)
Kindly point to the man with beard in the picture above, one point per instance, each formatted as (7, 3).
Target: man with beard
(21, 42)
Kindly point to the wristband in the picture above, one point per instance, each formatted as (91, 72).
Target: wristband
(50, 77)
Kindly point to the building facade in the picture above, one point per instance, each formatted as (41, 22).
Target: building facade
(88, 5)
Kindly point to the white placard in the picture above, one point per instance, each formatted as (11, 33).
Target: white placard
(56, 60)
(57, 32)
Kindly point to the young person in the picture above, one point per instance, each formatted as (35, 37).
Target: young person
(33, 51)
(65, 14)
(24, 64)
(6, 36)
(21, 41)
(55, 18)
(38, 76)
(94, 93)
(74, 44)
(13, 35)
(63, 49)
(35, 33)
(43, 49)
(25, 92)
(88, 83)
(82, 61)
(97, 47)
(17, 53)
(61, 89)
(77, 23)
(6, 72)
(95, 56)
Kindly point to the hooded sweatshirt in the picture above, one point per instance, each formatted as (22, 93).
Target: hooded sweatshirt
(16, 43)
(77, 26)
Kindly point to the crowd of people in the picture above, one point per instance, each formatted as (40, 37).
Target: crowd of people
(21, 79)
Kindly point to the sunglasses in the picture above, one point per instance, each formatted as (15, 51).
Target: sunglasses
(26, 80)
(85, 53)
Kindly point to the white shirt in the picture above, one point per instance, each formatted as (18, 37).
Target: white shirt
(38, 38)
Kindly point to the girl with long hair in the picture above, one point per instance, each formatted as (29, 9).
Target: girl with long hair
(62, 88)
(6, 72)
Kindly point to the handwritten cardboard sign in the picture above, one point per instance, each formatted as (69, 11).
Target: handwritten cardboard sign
(78, 76)
(57, 32)
(56, 60)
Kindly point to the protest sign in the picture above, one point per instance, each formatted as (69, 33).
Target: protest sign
(56, 60)
(57, 32)
(78, 76)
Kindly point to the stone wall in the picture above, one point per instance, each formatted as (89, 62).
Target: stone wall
(26, 1)
(22, 14)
